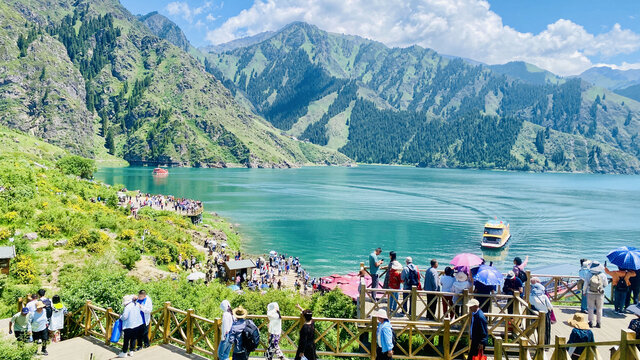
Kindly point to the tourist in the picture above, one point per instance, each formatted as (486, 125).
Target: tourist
(241, 349)
(595, 290)
(392, 257)
(518, 268)
(374, 266)
(47, 303)
(478, 330)
(485, 290)
(620, 280)
(20, 324)
(633, 296)
(432, 283)
(31, 305)
(131, 325)
(40, 326)
(541, 303)
(57, 318)
(306, 343)
(511, 285)
(275, 330)
(584, 275)
(447, 286)
(384, 336)
(580, 334)
(394, 274)
(224, 348)
(634, 325)
(145, 305)
(459, 286)
(410, 277)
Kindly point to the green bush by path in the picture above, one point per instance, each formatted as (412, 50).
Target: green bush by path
(77, 165)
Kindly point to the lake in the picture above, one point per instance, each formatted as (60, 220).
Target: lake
(333, 217)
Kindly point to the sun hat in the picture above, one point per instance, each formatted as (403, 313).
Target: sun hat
(381, 313)
(409, 260)
(460, 276)
(473, 302)
(39, 305)
(578, 321)
(634, 309)
(511, 274)
(240, 313)
(595, 267)
(24, 311)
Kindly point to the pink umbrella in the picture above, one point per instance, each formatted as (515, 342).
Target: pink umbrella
(466, 260)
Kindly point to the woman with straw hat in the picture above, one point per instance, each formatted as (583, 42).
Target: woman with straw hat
(581, 333)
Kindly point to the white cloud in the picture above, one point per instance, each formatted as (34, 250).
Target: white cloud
(465, 28)
(624, 66)
(183, 9)
(210, 17)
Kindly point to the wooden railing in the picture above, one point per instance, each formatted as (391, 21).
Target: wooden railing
(625, 349)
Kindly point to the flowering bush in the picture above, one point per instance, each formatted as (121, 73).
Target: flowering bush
(24, 269)
(48, 230)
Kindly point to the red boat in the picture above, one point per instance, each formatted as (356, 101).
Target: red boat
(160, 172)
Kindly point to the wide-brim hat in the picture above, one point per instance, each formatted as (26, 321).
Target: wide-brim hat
(634, 309)
(39, 305)
(578, 321)
(381, 313)
(511, 275)
(473, 302)
(460, 276)
(596, 267)
(240, 313)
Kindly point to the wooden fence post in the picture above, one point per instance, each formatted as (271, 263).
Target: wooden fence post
(374, 338)
(87, 318)
(624, 346)
(167, 323)
(446, 340)
(465, 300)
(559, 353)
(497, 348)
(556, 280)
(542, 317)
(414, 302)
(527, 287)
(189, 341)
(217, 336)
(523, 349)
(108, 328)
(362, 300)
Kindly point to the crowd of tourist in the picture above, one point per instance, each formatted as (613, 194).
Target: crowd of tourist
(159, 202)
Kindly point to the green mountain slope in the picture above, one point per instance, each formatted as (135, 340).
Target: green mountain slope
(632, 92)
(609, 78)
(88, 76)
(404, 104)
(165, 29)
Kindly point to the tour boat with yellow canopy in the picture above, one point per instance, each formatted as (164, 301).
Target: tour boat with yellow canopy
(496, 234)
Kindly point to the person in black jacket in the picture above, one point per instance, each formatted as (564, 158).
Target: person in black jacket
(478, 331)
(306, 344)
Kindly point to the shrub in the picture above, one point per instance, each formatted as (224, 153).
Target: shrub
(127, 235)
(5, 234)
(128, 257)
(163, 256)
(173, 268)
(48, 230)
(12, 350)
(77, 165)
(24, 269)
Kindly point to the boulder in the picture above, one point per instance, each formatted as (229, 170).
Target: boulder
(61, 243)
(30, 236)
(218, 235)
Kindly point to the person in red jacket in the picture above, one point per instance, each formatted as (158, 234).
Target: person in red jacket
(395, 269)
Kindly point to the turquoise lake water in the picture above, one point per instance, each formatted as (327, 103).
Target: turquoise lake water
(332, 217)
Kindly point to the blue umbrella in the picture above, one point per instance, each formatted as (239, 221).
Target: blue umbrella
(264, 286)
(625, 257)
(234, 287)
(489, 275)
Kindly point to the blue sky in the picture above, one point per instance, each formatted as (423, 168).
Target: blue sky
(566, 36)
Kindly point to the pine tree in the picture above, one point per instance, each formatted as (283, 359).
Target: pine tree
(540, 141)
(109, 143)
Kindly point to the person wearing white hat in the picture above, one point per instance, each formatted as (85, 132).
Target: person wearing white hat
(384, 334)
(595, 290)
(458, 287)
(478, 330)
(634, 325)
(410, 277)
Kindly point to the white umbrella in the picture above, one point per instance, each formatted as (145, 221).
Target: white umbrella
(196, 275)
(273, 253)
(224, 244)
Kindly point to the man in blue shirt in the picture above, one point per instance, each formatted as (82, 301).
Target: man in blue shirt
(384, 336)
(478, 331)
(374, 266)
(432, 283)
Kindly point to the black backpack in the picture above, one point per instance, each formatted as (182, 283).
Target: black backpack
(622, 284)
(413, 279)
(250, 336)
(521, 275)
(48, 308)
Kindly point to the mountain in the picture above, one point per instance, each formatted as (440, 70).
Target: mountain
(410, 105)
(632, 92)
(526, 72)
(238, 43)
(612, 79)
(90, 77)
(166, 29)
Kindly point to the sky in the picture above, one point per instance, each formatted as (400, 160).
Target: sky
(563, 36)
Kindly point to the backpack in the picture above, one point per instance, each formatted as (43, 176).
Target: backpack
(521, 275)
(48, 308)
(622, 284)
(250, 336)
(595, 284)
(413, 278)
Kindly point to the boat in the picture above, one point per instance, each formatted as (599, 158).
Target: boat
(160, 172)
(496, 234)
